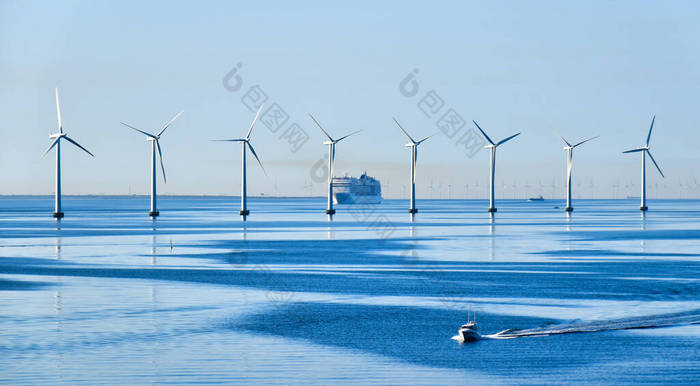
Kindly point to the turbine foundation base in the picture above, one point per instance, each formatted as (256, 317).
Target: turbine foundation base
(57, 214)
(244, 212)
(493, 210)
(643, 208)
(569, 209)
(413, 210)
(330, 211)
(154, 213)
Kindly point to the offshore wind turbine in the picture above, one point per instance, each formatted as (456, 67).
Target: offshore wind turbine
(569, 148)
(331, 158)
(414, 157)
(493, 145)
(155, 144)
(645, 151)
(246, 142)
(57, 137)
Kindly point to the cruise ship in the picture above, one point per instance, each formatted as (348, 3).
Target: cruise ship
(351, 190)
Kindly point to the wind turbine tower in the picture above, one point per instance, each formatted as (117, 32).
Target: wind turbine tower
(569, 148)
(493, 145)
(646, 151)
(155, 144)
(331, 158)
(57, 137)
(413, 145)
(245, 143)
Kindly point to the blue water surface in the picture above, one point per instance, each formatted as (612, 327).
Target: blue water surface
(108, 295)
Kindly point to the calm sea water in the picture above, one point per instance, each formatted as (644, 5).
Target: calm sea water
(109, 296)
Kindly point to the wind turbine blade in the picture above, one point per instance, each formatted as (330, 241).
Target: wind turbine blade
(655, 164)
(634, 150)
(160, 157)
(169, 123)
(320, 127)
(565, 141)
(424, 139)
(650, 127)
(58, 111)
(562, 138)
(256, 157)
(507, 139)
(415, 158)
(589, 139)
(404, 131)
(55, 141)
(484, 133)
(228, 140)
(333, 156)
(250, 130)
(139, 130)
(353, 133)
(77, 144)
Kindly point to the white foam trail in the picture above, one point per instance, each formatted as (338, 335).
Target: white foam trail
(652, 321)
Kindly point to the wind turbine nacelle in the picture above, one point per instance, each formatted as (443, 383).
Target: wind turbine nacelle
(57, 135)
(489, 146)
(327, 143)
(409, 145)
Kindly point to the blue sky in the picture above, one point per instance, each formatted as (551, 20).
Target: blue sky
(581, 68)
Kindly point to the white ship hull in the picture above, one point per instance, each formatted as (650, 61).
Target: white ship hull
(362, 190)
(349, 198)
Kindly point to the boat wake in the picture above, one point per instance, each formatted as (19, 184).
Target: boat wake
(649, 321)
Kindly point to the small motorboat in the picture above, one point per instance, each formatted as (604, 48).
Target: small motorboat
(468, 332)
(538, 198)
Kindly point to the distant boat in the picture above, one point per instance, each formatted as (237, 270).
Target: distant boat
(352, 190)
(538, 198)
